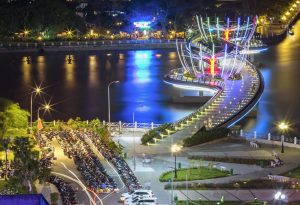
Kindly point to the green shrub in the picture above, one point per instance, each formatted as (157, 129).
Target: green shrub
(203, 136)
(154, 133)
(246, 184)
(260, 162)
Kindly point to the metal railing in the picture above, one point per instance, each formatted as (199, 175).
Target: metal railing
(269, 136)
(50, 44)
(119, 125)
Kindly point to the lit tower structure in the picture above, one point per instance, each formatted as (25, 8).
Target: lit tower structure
(216, 49)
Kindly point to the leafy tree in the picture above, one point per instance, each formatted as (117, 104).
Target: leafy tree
(13, 119)
(26, 163)
(40, 16)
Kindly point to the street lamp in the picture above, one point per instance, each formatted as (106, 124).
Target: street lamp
(43, 107)
(108, 99)
(282, 126)
(36, 90)
(174, 149)
(279, 196)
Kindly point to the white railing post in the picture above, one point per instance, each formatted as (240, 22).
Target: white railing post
(120, 126)
(152, 126)
(87, 122)
(241, 133)
(254, 134)
(135, 125)
(295, 140)
(269, 136)
(54, 122)
(104, 122)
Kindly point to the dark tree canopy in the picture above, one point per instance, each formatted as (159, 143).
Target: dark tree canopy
(50, 16)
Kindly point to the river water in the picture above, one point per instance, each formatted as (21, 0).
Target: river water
(79, 87)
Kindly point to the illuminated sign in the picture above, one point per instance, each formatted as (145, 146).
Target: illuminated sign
(142, 24)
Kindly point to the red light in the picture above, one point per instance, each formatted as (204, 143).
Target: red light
(212, 66)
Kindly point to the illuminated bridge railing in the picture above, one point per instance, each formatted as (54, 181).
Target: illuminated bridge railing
(201, 82)
(213, 110)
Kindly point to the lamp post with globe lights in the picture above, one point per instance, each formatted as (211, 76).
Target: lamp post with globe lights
(174, 149)
(283, 127)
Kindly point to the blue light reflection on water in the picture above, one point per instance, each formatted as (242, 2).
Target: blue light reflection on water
(264, 113)
(144, 93)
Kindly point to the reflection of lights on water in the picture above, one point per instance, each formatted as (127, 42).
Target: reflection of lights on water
(41, 67)
(172, 55)
(143, 108)
(121, 56)
(26, 69)
(142, 54)
(142, 60)
(69, 66)
(108, 54)
(93, 72)
(158, 55)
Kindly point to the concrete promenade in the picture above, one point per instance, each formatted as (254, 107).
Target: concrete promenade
(163, 161)
(241, 195)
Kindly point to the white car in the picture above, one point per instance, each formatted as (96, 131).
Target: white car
(139, 192)
(141, 200)
(125, 196)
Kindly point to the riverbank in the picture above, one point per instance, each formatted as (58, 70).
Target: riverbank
(274, 38)
(86, 45)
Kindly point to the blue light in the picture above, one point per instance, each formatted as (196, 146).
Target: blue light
(142, 60)
(142, 24)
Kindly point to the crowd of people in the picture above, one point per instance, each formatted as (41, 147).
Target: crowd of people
(66, 191)
(91, 169)
(119, 163)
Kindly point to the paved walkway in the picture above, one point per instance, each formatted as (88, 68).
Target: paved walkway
(59, 168)
(46, 189)
(163, 161)
(235, 195)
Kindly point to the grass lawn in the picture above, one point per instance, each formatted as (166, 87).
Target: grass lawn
(10, 155)
(193, 174)
(295, 173)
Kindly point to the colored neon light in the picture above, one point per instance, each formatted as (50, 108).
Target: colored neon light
(226, 34)
(212, 66)
(142, 24)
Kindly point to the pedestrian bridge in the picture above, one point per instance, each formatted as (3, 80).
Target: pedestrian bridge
(233, 99)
